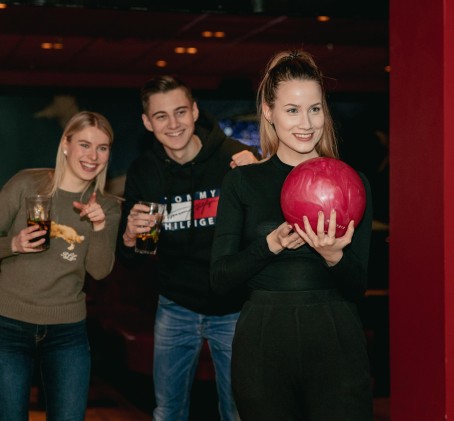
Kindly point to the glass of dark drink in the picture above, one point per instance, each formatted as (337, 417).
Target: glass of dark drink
(38, 213)
(147, 242)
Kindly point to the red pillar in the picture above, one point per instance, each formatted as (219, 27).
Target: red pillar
(422, 210)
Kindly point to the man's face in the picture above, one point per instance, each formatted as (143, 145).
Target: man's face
(171, 116)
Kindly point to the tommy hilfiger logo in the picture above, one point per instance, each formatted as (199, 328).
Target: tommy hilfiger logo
(205, 210)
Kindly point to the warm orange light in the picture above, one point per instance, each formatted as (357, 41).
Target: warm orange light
(3, 5)
(216, 34)
(183, 50)
(161, 63)
(323, 18)
(388, 69)
(52, 45)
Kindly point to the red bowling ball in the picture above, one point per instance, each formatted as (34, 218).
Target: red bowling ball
(323, 184)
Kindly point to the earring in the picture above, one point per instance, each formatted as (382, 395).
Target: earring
(65, 152)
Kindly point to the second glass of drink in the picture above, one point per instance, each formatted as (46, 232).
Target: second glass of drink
(146, 243)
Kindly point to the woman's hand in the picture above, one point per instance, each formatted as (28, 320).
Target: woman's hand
(22, 242)
(326, 244)
(283, 237)
(93, 211)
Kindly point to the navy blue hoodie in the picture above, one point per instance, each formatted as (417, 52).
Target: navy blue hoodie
(191, 193)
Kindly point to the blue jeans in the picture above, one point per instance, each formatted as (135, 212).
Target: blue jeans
(178, 336)
(63, 355)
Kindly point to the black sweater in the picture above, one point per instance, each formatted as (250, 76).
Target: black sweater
(191, 193)
(249, 210)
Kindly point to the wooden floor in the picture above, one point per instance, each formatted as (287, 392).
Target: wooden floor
(106, 403)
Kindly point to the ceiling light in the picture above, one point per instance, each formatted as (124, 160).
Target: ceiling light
(388, 69)
(3, 5)
(207, 34)
(323, 18)
(183, 50)
(219, 34)
(161, 63)
(52, 45)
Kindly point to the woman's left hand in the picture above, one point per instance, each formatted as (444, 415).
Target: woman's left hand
(93, 211)
(325, 243)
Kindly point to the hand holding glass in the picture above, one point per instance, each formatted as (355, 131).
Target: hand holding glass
(38, 213)
(146, 242)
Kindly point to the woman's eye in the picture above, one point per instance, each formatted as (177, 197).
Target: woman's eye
(103, 148)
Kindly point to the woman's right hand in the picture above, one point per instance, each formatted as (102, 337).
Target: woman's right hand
(284, 237)
(21, 243)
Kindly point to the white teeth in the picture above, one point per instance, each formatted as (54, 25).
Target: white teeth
(175, 134)
(88, 166)
(304, 136)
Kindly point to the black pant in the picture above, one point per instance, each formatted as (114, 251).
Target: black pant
(301, 355)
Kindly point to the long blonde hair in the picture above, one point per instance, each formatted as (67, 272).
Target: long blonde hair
(79, 122)
(283, 67)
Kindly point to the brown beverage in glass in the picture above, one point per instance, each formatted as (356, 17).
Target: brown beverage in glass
(38, 213)
(147, 242)
(43, 225)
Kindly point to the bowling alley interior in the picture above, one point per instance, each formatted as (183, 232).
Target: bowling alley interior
(386, 79)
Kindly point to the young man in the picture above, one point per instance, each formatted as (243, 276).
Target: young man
(184, 169)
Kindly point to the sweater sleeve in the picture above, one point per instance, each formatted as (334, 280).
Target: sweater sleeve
(101, 249)
(10, 198)
(231, 264)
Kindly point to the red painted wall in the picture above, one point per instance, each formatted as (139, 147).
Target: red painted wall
(449, 200)
(421, 210)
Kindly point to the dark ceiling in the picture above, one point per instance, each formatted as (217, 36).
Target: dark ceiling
(117, 43)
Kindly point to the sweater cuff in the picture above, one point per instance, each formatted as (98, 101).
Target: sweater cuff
(5, 247)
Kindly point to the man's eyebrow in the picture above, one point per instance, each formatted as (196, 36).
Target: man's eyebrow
(183, 107)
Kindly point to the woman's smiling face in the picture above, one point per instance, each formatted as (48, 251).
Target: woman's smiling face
(87, 154)
(298, 118)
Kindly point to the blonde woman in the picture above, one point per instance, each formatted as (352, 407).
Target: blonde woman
(42, 305)
(299, 350)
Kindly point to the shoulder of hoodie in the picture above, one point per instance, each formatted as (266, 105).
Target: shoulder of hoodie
(213, 137)
(146, 161)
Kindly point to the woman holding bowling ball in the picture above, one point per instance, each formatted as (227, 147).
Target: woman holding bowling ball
(42, 304)
(299, 351)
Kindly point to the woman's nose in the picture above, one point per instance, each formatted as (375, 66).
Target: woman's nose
(305, 122)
